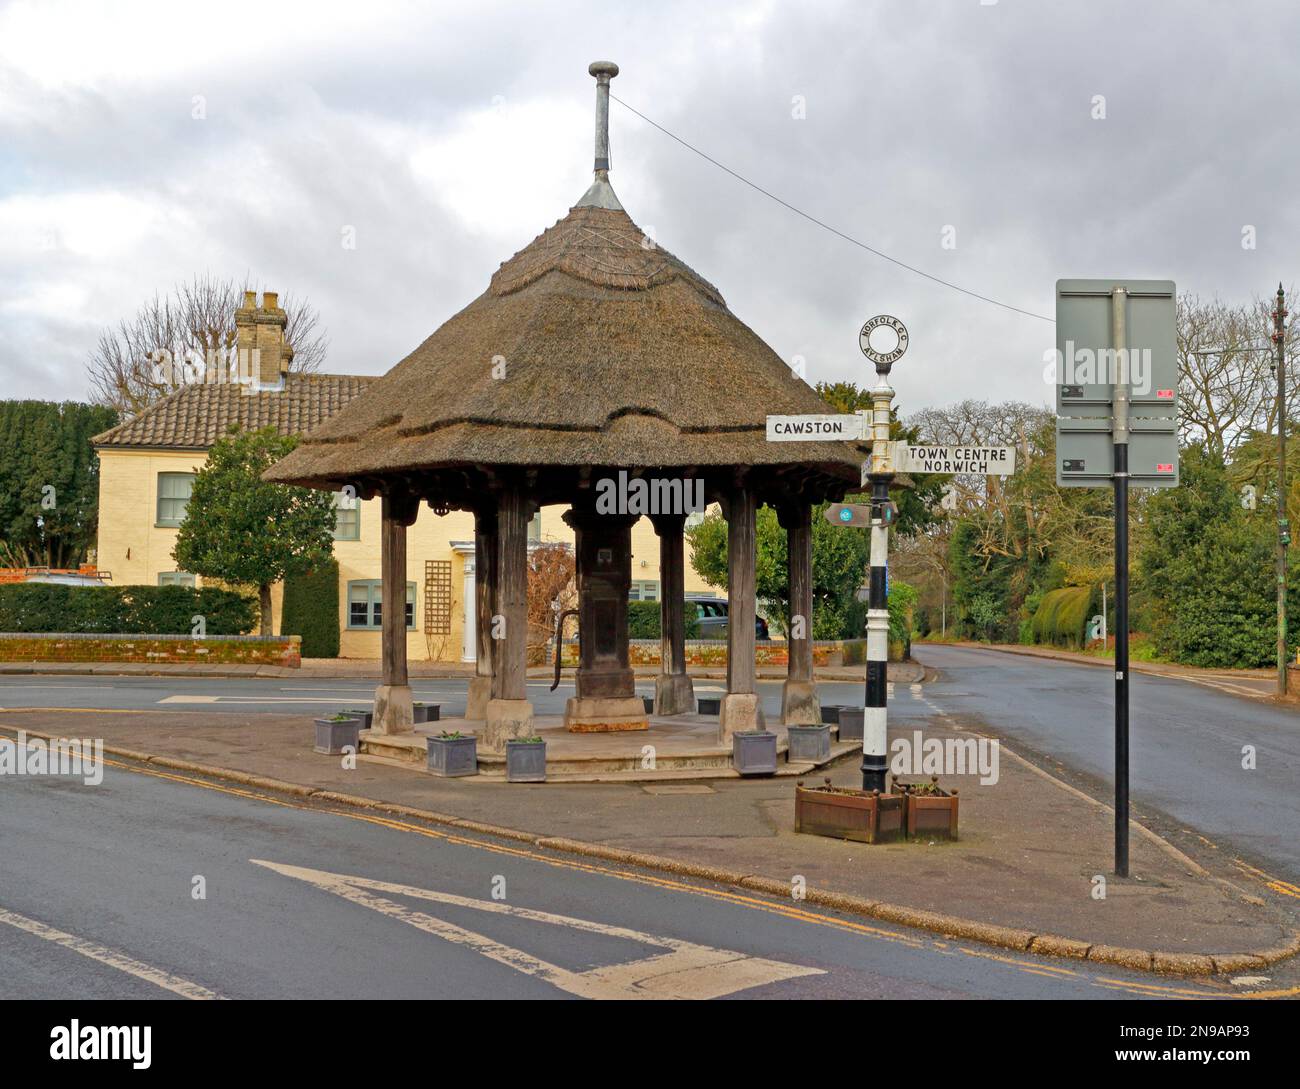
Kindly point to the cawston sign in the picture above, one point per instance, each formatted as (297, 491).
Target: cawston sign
(810, 427)
(986, 460)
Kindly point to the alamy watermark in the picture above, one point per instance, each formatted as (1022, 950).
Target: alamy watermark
(657, 495)
(920, 755)
(1106, 367)
(56, 756)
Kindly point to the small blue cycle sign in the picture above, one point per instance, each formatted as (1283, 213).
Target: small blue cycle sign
(846, 515)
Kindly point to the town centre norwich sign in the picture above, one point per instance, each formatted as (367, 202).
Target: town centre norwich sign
(986, 460)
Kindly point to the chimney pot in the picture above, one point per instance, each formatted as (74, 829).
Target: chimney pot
(270, 300)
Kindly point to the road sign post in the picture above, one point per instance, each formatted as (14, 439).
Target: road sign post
(1117, 386)
(875, 730)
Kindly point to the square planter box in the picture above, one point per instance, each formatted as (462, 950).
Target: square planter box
(332, 736)
(809, 743)
(525, 761)
(831, 713)
(851, 723)
(709, 705)
(753, 752)
(367, 717)
(453, 756)
(849, 814)
(426, 712)
(929, 816)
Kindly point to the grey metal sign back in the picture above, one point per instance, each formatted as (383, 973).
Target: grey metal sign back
(1090, 367)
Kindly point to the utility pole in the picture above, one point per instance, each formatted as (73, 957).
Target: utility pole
(1278, 351)
(1283, 526)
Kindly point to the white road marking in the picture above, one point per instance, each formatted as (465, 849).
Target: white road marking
(111, 957)
(686, 971)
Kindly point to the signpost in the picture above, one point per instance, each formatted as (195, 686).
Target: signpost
(1116, 424)
(887, 459)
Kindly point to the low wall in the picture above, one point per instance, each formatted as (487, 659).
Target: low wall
(713, 652)
(276, 650)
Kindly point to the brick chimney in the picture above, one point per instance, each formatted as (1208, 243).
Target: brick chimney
(264, 354)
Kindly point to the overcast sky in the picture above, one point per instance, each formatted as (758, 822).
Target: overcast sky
(448, 135)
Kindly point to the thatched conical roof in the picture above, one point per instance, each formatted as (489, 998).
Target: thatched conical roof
(592, 346)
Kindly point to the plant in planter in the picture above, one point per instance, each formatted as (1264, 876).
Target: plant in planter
(367, 717)
(809, 743)
(753, 752)
(526, 760)
(452, 753)
(845, 813)
(336, 732)
(931, 811)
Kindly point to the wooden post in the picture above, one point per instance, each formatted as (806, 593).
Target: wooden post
(741, 709)
(393, 713)
(799, 703)
(485, 596)
(509, 714)
(674, 694)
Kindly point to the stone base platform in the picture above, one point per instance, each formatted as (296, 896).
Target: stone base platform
(684, 747)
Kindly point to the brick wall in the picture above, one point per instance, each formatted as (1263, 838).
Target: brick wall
(713, 652)
(279, 650)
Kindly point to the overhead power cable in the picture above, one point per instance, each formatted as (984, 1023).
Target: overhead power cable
(826, 226)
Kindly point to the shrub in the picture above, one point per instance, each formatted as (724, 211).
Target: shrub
(132, 610)
(311, 609)
(1062, 617)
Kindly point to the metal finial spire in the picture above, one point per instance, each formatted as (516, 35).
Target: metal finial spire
(604, 71)
(601, 195)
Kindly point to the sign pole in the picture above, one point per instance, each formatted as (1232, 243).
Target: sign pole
(875, 730)
(1119, 341)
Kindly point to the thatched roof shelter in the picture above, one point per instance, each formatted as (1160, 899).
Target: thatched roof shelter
(592, 351)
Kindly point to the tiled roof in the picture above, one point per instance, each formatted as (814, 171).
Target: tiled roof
(196, 416)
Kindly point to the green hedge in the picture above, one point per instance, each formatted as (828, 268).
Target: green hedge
(643, 620)
(1062, 617)
(131, 610)
(311, 609)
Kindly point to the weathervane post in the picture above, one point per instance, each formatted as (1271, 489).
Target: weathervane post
(875, 742)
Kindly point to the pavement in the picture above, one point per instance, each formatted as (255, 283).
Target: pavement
(1022, 876)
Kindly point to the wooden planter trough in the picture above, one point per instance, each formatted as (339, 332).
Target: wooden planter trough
(842, 813)
(931, 811)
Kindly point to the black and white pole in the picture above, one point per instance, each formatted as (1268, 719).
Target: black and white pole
(875, 741)
(1119, 341)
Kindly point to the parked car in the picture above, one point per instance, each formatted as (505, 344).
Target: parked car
(712, 615)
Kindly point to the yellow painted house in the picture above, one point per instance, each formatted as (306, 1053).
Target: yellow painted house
(147, 464)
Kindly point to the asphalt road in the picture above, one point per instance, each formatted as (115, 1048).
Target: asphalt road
(312, 696)
(97, 899)
(1186, 741)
